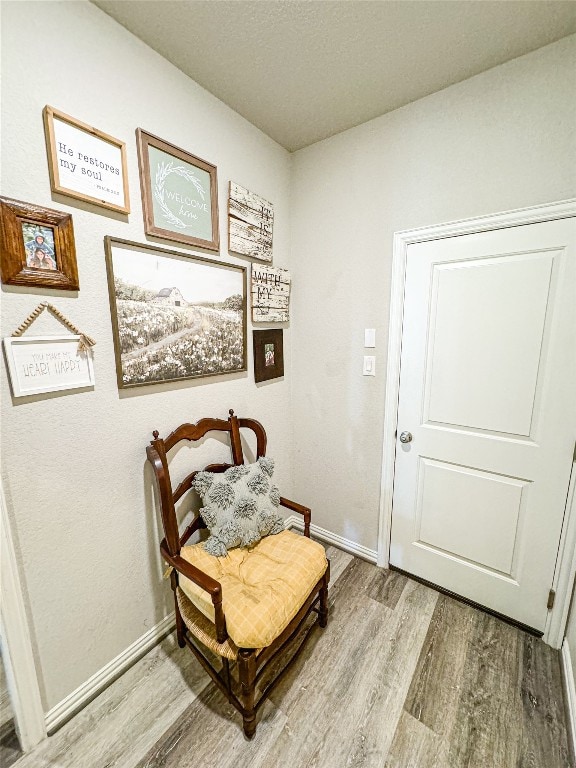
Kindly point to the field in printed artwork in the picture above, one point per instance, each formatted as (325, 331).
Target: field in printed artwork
(176, 318)
(162, 343)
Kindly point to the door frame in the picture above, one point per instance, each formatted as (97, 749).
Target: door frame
(17, 653)
(564, 574)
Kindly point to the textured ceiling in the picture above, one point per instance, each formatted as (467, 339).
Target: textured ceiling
(304, 70)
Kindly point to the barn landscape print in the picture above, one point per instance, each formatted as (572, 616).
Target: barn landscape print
(174, 316)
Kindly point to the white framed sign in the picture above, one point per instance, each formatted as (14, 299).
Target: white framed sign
(38, 364)
(270, 294)
(86, 163)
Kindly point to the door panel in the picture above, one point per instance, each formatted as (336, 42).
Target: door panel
(469, 338)
(469, 514)
(486, 386)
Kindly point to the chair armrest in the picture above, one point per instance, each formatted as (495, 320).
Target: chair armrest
(205, 582)
(302, 510)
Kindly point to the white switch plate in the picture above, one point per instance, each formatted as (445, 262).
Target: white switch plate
(369, 337)
(369, 368)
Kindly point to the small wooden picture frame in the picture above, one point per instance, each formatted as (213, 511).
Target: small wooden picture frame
(37, 246)
(179, 193)
(268, 354)
(86, 163)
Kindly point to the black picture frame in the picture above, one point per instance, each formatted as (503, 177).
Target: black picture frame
(268, 354)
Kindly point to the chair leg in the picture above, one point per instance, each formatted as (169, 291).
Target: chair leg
(247, 674)
(323, 612)
(180, 626)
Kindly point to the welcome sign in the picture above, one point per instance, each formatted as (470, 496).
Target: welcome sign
(86, 163)
(179, 193)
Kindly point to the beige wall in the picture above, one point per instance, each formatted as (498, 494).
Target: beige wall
(73, 464)
(571, 636)
(571, 628)
(501, 140)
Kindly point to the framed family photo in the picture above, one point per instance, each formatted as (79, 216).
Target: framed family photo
(37, 246)
(174, 316)
(86, 163)
(268, 354)
(179, 193)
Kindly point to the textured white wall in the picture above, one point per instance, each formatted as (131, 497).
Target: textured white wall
(571, 636)
(74, 464)
(501, 140)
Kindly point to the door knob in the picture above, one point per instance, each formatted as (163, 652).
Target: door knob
(405, 437)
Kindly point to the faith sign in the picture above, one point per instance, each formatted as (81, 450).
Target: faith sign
(270, 294)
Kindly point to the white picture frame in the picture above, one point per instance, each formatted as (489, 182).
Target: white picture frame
(40, 364)
(86, 163)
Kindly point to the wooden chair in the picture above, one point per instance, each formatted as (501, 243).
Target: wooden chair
(192, 626)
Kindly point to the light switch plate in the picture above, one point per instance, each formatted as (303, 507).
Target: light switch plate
(369, 337)
(369, 368)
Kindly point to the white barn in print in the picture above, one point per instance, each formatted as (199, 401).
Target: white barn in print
(171, 296)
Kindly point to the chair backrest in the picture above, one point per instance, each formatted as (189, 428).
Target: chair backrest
(157, 456)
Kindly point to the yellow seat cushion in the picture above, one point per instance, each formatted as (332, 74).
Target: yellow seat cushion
(263, 587)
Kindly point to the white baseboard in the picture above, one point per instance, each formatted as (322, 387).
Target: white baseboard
(295, 521)
(570, 691)
(64, 710)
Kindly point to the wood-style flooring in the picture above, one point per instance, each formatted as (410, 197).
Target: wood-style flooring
(402, 677)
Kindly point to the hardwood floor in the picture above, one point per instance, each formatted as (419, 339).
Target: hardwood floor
(402, 677)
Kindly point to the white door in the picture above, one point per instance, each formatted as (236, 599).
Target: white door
(487, 392)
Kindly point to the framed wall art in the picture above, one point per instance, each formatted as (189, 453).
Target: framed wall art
(39, 364)
(86, 163)
(179, 193)
(37, 246)
(174, 316)
(270, 294)
(268, 354)
(250, 223)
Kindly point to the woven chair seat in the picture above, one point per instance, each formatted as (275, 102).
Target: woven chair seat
(203, 629)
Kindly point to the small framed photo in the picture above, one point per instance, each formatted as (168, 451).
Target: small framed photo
(179, 193)
(86, 163)
(37, 246)
(268, 354)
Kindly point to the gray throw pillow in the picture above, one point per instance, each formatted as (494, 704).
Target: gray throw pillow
(240, 505)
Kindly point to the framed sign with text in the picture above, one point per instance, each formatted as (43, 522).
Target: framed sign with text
(39, 364)
(86, 163)
(179, 193)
